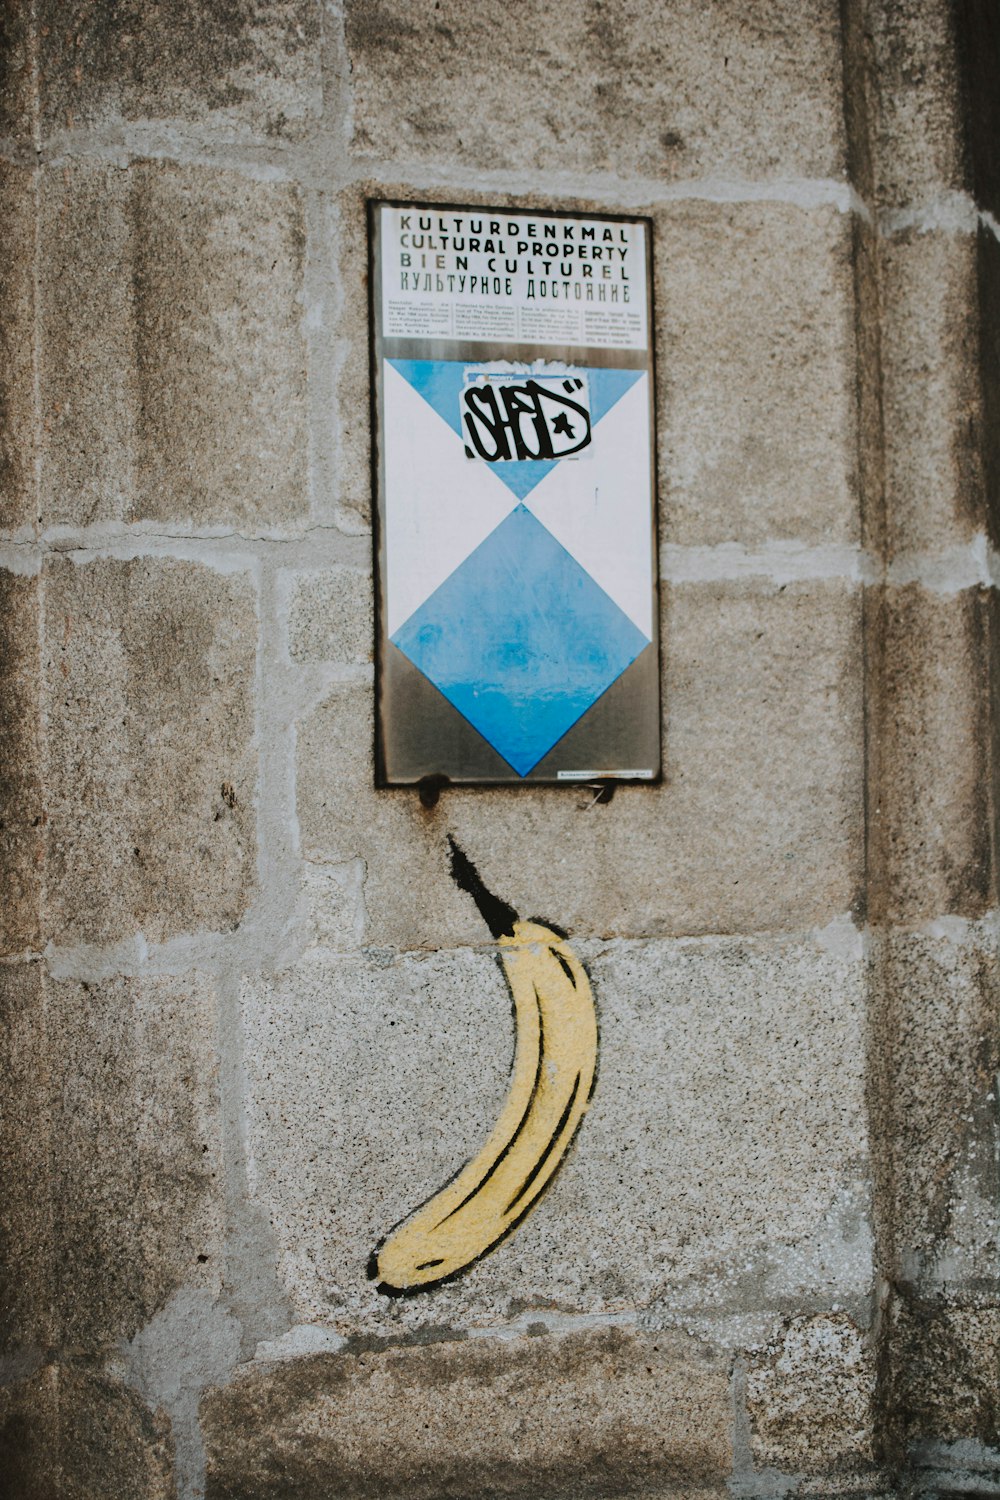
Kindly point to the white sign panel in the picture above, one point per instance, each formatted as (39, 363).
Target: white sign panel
(513, 385)
(491, 274)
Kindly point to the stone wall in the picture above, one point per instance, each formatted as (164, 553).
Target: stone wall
(249, 1021)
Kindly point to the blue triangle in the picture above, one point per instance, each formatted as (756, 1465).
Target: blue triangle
(441, 382)
(608, 387)
(520, 640)
(521, 477)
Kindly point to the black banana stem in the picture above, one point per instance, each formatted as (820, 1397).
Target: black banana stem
(498, 916)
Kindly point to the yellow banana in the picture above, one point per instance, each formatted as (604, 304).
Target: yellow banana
(555, 1063)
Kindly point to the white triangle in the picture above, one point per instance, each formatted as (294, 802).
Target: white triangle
(439, 505)
(600, 507)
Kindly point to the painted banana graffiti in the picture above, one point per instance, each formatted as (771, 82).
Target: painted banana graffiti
(555, 1065)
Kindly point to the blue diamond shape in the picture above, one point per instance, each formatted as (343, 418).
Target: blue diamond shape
(441, 381)
(520, 639)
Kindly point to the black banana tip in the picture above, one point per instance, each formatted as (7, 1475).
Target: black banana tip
(388, 1290)
(498, 916)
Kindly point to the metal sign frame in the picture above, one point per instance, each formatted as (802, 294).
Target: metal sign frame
(451, 399)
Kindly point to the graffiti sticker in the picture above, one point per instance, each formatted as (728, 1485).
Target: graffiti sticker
(507, 418)
(512, 401)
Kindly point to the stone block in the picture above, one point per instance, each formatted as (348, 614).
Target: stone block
(25, 1162)
(330, 616)
(942, 1128)
(110, 1443)
(934, 816)
(758, 824)
(77, 1434)
(252, 67)
(720, 1169)
(978, 49)
(916, 101)
(988, 409)
(16, 83)
(173, 368)
(29, 1434)
(930, 395)
(136, 1185)
(348, 431)
(601, 1414)
(756, 374)
(810, 1395)
(151, 769)
(17, 318)
(869, 376)
(21, 812)
(638, 89)
(947, 1380)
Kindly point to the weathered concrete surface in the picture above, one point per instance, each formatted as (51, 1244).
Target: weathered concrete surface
(173, 365)
(330, 616)
(348, 435)
(28, 1433)
(755, 313)
(249, 66)
(758, 826)
(77, 1434)
(21, 809)
(193, 1342)
(945, 1369)
(109, 1442)
(690, 1190)
(591, 1415)
(931, 391)
(935, 810)
(152, 775)
(16, 91)
(944, 1043)
(17, 320)
(977, 42)
(136, 1166)
(810, 1397)
(988, 286)
(637, 89)
(335, 902)
(933, 748)
(916, 106)
(26, 1266)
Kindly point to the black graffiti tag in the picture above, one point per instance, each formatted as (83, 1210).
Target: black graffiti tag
(506, 420)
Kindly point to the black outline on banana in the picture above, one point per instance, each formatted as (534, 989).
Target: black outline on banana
(553, 1077)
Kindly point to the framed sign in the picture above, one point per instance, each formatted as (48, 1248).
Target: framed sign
(512, 386)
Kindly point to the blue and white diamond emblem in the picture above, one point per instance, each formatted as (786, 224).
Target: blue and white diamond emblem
(520, 639)
(521, 588)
